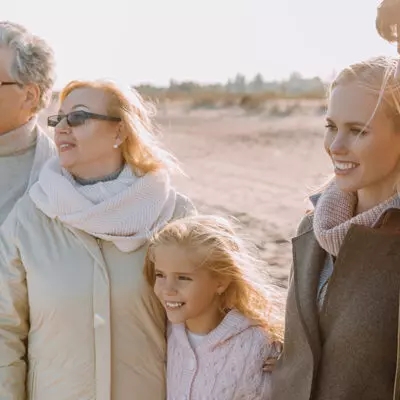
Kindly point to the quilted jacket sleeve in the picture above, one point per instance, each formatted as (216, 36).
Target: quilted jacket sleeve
(13, 314)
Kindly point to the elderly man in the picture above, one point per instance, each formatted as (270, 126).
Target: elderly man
(26, 80)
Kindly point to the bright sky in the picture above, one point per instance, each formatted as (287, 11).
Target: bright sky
(201, 40)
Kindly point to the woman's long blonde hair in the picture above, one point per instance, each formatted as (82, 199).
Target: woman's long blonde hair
(213, 244)
(140, 149)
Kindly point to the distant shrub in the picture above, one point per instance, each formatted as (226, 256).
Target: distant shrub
(230, 100)
(207, 101)
(253, 102)
(277, 110)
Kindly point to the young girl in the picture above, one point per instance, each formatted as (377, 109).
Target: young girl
(223, 320)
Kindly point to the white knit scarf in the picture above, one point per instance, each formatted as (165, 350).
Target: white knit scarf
(125, 211)
(334, 214)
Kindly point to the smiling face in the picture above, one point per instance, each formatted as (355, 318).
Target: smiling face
(87, 151)
(366, 162)
(190, 295)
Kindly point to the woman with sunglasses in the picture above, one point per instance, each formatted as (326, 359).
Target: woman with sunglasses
(73, 300)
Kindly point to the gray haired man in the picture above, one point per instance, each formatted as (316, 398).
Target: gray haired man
(26, 81)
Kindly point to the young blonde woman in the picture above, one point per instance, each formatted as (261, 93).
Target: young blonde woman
(73, 300)
(342, 325)
(224, 320)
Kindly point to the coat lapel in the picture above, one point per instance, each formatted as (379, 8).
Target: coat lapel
(308, 258)
(390, 221)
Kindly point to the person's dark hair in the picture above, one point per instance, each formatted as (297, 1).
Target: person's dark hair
(388, 20)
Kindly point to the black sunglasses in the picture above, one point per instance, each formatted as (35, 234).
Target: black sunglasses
(77, 118)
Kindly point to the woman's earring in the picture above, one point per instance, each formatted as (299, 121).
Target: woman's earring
(117, 143)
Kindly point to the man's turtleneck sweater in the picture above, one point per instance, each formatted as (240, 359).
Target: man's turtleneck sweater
(22, 154)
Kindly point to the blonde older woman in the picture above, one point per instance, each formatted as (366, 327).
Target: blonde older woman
(73, 301)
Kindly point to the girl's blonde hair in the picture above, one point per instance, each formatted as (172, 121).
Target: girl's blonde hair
(140, 149)
(214, 245)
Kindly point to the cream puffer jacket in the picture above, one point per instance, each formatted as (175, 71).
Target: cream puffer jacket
(77, 319)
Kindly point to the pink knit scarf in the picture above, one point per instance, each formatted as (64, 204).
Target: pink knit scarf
(334, 214)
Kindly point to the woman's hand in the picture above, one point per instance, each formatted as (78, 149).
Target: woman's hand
(276, 351)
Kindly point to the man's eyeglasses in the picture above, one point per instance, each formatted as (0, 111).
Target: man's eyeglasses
(77, 118)
(5, 83)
